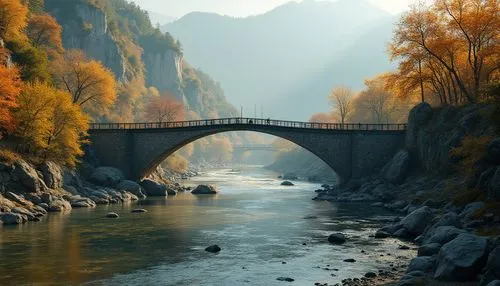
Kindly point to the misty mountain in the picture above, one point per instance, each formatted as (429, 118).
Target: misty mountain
(160, 19)
(293, 54)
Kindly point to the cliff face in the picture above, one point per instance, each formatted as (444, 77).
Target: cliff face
(85, 27)
(164, 70)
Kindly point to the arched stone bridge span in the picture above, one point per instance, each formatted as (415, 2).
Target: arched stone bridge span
(351, 150)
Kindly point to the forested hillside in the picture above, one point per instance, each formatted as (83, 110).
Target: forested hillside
(67, 63)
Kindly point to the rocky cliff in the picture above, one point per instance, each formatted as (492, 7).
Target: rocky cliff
(85, 27)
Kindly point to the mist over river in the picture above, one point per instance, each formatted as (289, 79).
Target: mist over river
(265, 231)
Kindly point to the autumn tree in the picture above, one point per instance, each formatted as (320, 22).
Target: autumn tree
(341, 100)
(32, 62)
(44, 31)
(91, 85)
(10, 87)
(164, 109)
(13, 19)
(50, 124)
(449, 47)
(324, 117)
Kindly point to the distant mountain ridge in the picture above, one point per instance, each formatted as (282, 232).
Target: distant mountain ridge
(293, 54)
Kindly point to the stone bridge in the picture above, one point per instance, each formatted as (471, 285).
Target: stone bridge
(351, 150)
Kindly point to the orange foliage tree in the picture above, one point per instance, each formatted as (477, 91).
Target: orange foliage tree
(164, 109)
(91, 85)
(13, 17)
(10, 87)
(44, 31)
(50, 124)
(450, 47)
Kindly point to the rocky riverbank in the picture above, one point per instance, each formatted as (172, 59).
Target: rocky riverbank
(453, 217)
(29, 192)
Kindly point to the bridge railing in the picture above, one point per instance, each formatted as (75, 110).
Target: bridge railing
(249, 121)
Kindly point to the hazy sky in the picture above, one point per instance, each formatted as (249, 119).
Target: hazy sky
(240, 8)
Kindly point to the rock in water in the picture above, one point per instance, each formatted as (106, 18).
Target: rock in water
(11, 218)
(204, 190)
(285, 279)
(112, 215)
(287, 183)
(139, 211)
(336, 238)
(213, 249)
(462, 258)
(154, 189)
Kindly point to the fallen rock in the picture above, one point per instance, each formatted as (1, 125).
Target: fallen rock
(416, 222)
(59, 205)
(429, 249)
(444, 234)
(397, 169)
(106, 176)
(422, 263)
(154, 189)
(370, 275)
(204, 190)
(112, 215)
(337, 238)
(462, 258)
(287, 183)
(213, 248)
(52, 175)
(27, 176)
(131, 187)
(11, 218)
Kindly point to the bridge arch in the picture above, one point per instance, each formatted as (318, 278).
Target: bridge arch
(169, 150)
(350, 150)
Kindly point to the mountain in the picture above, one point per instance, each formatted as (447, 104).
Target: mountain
(160, 19)
(293, 54)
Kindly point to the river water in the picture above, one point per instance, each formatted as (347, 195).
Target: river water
(265, 231)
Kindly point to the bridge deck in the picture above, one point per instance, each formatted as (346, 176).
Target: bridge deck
(249, 122)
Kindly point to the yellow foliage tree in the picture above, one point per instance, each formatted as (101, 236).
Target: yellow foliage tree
(341, 99)
(13, 19)
(50, 124)
(91, 85)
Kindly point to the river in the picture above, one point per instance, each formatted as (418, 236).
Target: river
(265, 231)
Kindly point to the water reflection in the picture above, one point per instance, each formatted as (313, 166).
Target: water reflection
(257, 222)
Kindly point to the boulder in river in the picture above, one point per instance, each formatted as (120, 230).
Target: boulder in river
(112, 215)
(285, 279)
(131, 187)
(213, 248)
(336, 238)
(139, 211)
(11, 218)
(422, 263)
(462, 258)
(204, 190)
(154, 189)
(287, 183)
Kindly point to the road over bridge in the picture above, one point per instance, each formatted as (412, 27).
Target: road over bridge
(351, 150)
